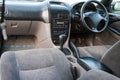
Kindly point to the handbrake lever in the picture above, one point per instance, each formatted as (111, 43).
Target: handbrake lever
(74, 49)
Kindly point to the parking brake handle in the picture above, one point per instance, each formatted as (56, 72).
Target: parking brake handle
(75, 50)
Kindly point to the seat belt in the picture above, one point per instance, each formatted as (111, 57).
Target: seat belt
(3, 34)
(2, 23)
(74, 72)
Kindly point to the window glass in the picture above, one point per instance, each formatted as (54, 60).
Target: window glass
(116, 5)
(27, 0)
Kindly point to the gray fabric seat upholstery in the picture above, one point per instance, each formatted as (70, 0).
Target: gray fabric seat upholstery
(37, 64)
(112, 57)
(109, 56)
(93, 51)
(97, 75)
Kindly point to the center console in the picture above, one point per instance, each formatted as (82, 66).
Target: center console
(59, 17)
(88, 63)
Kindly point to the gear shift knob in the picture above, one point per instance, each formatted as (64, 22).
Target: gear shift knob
(62, 39)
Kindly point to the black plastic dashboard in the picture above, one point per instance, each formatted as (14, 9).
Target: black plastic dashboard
(36, 11)
(19, 10)
(53, 12)
(60, 15)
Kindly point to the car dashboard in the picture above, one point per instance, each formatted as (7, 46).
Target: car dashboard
(62, 18)
(55, 13)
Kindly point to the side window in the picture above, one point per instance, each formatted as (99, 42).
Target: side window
(115, 6)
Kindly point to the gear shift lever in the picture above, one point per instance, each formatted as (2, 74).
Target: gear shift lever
(62, 39)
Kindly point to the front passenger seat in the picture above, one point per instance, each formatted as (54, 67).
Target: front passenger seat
(37, 64)
(97, 75)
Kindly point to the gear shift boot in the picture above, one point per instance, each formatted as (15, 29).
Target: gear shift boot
(62, 38)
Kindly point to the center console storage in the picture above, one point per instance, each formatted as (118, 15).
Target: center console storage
(59, 20)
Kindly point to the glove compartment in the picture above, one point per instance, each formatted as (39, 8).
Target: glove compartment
(17, 27)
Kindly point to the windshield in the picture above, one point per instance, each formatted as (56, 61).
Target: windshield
(27, 0)
(70, 1)
(73, 1)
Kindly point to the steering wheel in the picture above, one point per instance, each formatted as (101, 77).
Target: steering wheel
(93, 20)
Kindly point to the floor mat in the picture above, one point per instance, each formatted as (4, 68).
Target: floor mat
(15, 43)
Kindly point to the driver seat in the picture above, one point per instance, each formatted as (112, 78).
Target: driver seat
(93, 51)
(37, 64)
(111, 59)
